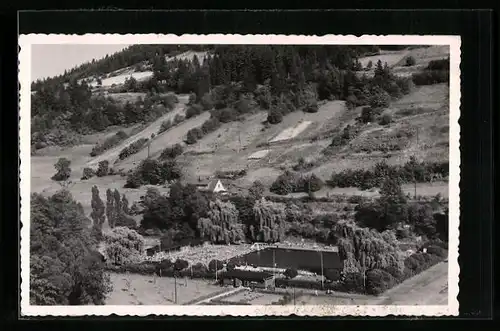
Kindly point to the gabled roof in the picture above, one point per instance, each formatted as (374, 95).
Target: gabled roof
(213, 183)
(210, 185)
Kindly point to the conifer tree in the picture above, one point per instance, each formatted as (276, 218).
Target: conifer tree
(98, 209)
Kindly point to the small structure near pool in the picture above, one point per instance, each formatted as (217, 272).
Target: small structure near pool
(237, 277)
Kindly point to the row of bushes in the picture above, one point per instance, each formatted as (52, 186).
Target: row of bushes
(411, 171)
(355, 199)
(108, 143)
(290, 182)
(167, 268)
(303, 165)
(133, 148)
(171, 152)
(102, 170)
(166, 125)
(231, 174)
(196, 134)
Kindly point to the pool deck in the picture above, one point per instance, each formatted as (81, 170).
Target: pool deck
(298, 248)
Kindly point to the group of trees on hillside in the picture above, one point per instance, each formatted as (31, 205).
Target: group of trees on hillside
(198, 216)
(60, 112)
(290, 182)
(413, 171)
(65, 266)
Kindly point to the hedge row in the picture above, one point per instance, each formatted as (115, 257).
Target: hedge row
(408, 173)
(133, 148)
(165, 268)
(108, 143)
(234, 174)
(290, 182)
(196, 134)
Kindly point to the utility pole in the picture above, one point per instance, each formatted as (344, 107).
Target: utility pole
(364, 273)
(274, 266)
(415, 184)
(148, 149)
(239, 139)
(175, 289)
(216, 270)
(294, 296)
(321, 256)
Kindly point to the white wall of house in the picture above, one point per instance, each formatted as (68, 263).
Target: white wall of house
(219, 187)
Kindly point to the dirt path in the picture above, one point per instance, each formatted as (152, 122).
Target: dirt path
(427, 288)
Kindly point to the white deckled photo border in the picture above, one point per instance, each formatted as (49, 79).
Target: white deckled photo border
(451, 309)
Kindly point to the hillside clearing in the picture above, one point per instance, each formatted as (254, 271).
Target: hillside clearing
(258, 155)
(389, 57)
(291, 132)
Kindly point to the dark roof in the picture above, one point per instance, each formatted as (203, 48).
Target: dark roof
(247, 275)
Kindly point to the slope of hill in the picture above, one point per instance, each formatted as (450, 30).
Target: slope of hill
(265, 150)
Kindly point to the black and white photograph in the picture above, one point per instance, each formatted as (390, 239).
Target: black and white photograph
(312, 176)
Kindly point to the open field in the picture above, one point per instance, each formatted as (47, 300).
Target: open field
(122, 77)
(424, 55)
(391, 57)
(291, 132)
(135, 289)
(189, 55)
(396, 60)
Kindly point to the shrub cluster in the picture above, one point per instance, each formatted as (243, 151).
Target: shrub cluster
(171, 152)
(153, 172)
(133, 148)
(165, 125)
(231, 174)
(303, 165)
(411, 171)
(290, 182)
(342, 139)
(87, 173)
(437, 71)
(410, 61)
(103, 169)
(194, 110)
(195, 134)
(108, 143)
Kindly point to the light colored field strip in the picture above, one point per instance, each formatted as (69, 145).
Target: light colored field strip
(259, 154)
(291, 132)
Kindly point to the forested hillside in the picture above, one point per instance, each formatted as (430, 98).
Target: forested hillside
(65, 105)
